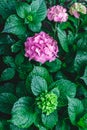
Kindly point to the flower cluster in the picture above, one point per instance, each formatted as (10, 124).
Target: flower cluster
(57, 14)
(76, 9)
(41, 48)
(47, 102)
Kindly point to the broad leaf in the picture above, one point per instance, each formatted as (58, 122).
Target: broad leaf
(50, 120)
(13, 127)
(42, 72)
(83, 122)
(7, 88)
(63, 39)
(23, 115)
(81, 55)
(54, 66)
(19, 59)
(7, 74)
(6, 102)
(9, 60)
(84, 77)
(75, 109)
(14, 25)
(38, 85)
(35, 27)
(16, 47)
(39, 7)
(23, 9)
(7, 7)
(66, 88)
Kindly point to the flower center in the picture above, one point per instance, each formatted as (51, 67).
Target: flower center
(47, 102)
(30, 18)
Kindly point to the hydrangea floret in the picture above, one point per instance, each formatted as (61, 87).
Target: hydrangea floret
(47, 102)
(57, 14)
(41, 47)
(76, 9)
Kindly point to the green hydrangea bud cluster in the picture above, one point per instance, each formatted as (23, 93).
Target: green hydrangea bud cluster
(47, 102)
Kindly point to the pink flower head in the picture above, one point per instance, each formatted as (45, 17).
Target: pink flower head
(57, 14)
(76, 9)
(41, 47)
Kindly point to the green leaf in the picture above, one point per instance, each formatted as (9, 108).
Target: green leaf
(54, 66)
(83, 121)
(19, 59)
(7, 88)
(75, 109)
(6, 39)
(7, 7)
(39, 7)
(7, 74)
(38, 85)
(84, 77)
(50, 120)
(16, 47)
(35, 27)
(13, 127)
(63, 39)
(81, 56)
(42, 128)
(66, 88)
(42, 72)
(80, 60)
(23, 9)
(20, 89)
(23, 115)
(14, 25)
(6, 102)
(9, 61)
(1, 125)
(62, 125)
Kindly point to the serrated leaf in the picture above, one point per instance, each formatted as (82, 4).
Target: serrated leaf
(7, 88)
(75, 109)
(1, 125)
(38, 85)
(80, 60)
(13, 127)
(39, 7)
(20, 89)
(6, 39)
(83, 121)
(50, 120)
(23, 9)
(7, 7)
(6, 102)
(66, 88)
(23, 115)
(16, 47)
(81, 56)
(9, 61)
(7, 74)
(14, 25)
(19, 59)
(54, 66)
(84, 77)
(42, 72)
(63, 39)
(35, 27)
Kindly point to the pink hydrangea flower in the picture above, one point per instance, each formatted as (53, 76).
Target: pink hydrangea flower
(76, 9)
(57, 14)
(41, 47)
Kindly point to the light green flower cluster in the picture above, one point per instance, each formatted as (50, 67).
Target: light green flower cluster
(47, 102)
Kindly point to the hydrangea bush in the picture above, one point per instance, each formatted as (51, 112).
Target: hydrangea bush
(43, 64)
